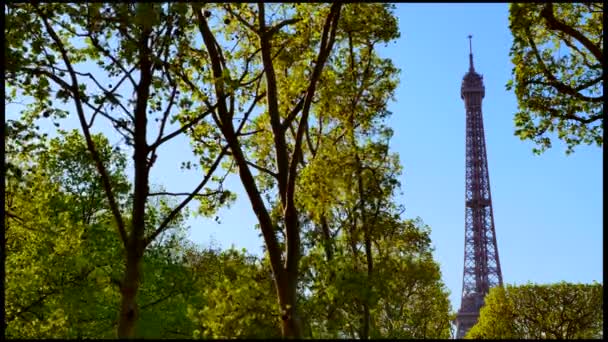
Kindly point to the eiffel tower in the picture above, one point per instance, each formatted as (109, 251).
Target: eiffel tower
(481, 263)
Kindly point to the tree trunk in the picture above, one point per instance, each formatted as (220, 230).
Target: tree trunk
(128, 290)
(135, 243)
(366, 314)
(329, 253)
(365, 332)
(286, 289)
(289, 274)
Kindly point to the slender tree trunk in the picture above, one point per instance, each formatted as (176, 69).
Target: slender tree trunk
(366, 304)
(128, 290)
(288, 294)
(329, 253)
(290, 322)
(285, 278)
(365, 330)
(286, 274)
(365, 225)
(135, 244)
(327, 243)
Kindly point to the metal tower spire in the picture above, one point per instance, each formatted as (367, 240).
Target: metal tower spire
(481, 263)
(471, 68)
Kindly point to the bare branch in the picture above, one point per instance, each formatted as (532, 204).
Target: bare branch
(280, 25)
(181, 129)
(164, 193)
(263, 169)
(166, 115)
(115, 61)
(90, 144)
(228, 8)
(187, 200)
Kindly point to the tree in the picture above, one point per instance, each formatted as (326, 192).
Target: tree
(554, 311)
(170, 286)
(61, 263)
(558, 72)
(291, 48)
(51, 50)
(368, 273)
(294, 94)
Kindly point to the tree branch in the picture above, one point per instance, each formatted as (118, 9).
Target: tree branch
(327, 41)
(240, 19)
(294, 112)
(83, 123)
(182, 129)
(280, 25)
(115, 61)
(161, 299)
(165, 193)
(187, 200)
(272, 103)
(263, 169)
(165, 114)
(574, 91)
(251, 133)
(554, 24)
(553, 81)
(225, 125)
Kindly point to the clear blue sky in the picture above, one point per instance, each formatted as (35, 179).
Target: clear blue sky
(547, 208)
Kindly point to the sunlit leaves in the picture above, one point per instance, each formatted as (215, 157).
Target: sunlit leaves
(239, 297)
(59, 246)
(557, 73)
(65, 262)
(551, 311)
(409, 299)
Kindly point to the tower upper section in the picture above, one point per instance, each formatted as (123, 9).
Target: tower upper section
(472, 82)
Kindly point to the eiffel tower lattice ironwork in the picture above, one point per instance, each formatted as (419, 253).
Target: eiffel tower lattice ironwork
(481, 263)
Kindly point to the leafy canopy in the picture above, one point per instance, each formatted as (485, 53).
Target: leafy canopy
(554, 311)
(557, 54)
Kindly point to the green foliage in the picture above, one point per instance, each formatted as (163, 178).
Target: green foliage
(366, 271)
(64, 259)
(558, 69)
(239, 298)
(89, 56)
(62, 253)
(168, 288)
(364, 262)
(409, 299)
(554, 311)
